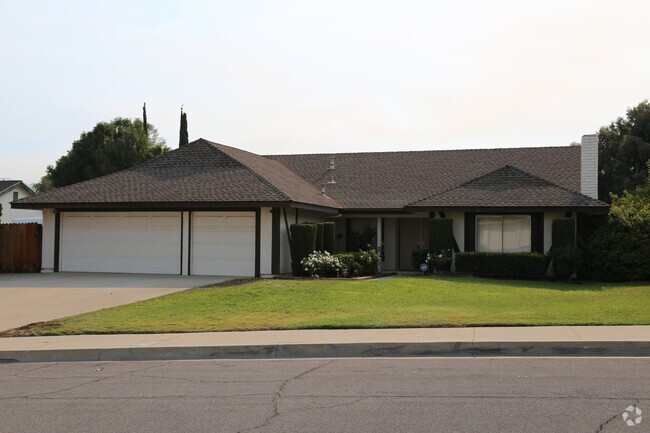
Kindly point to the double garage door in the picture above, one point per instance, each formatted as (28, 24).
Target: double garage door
(216, 243)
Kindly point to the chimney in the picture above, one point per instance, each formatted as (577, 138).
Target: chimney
(589, 165)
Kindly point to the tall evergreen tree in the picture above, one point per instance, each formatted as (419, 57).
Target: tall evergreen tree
(184, 137)
(144, 117)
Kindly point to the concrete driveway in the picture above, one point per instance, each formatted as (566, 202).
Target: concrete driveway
(29, 298)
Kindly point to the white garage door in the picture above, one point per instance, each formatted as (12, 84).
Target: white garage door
(223, 243)
(131, 242)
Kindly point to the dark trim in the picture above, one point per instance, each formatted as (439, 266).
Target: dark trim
(515, 209)
(399, 243)
(154, 209)
(189, 243)
(348, 229)
(258, 239)
(181, 273)
(173, 206)
(57, 239)
(286, 224)
(470, 232)
(275, 240)
(296, 216)
(537, 232)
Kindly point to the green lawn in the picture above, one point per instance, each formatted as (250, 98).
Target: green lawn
(397, 302)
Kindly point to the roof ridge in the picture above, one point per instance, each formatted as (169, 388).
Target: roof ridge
(421, 151)
(251, 170)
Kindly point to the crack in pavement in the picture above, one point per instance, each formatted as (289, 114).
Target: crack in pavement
(276, 398)
(39, 395)
(602, 426)
(187, 379)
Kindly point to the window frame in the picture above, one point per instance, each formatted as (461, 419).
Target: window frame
(15, 196)
(528, 217)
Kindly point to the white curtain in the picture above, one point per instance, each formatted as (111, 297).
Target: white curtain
(508, 234)
(488, 234)
(516, 234)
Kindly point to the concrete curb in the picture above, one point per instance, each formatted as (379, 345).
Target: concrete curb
(343, 350)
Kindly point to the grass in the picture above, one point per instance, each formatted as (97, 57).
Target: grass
(397, 302)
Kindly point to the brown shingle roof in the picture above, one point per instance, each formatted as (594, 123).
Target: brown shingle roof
(200, 172)
(393, 180)
(508, 187)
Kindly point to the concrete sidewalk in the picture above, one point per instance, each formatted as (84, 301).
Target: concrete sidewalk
(506, 341)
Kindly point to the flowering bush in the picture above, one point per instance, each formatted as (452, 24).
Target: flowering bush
(440, 261)
(321, 264)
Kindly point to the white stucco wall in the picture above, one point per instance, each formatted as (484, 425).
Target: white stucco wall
(9, 214)
(47, 260)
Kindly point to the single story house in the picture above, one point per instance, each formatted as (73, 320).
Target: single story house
(210, 209)
(12, 190)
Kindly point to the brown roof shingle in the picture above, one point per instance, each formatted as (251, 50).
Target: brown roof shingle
(507, 187)
(200, 172)
(393, 180)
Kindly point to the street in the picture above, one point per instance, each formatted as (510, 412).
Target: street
(328, 395)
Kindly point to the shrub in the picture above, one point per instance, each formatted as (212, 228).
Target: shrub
(440, 261)
(319, 237)
(303, 243)
(441, 235)
(362, 240)
(502, 264)
(563, 233)
(565, 261)
(329, 236)
(619, 250)
(418, 257)
(360, 263)
(321, 264)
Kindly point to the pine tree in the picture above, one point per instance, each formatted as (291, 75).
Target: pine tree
(184, 137)
(144, 118)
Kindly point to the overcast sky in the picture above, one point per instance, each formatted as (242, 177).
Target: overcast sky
(318, 76)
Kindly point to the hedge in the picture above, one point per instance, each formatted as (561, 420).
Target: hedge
(303, 243)
(503, 264)
(441, 235)
(319, 237)
(329, 236)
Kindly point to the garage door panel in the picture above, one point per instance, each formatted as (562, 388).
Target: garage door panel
(223, 243)
(128, 242)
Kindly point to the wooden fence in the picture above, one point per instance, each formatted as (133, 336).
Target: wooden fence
(20, 247)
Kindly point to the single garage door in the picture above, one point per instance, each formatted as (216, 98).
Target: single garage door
(131, 242)
(223, 243)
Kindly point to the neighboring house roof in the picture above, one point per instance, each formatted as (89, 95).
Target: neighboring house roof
(508, 187)
(393, 180)
(206, 174)
(6, 185)
(199, 174)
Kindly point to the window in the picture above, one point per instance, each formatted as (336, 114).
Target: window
(15, 196)
(503, 234)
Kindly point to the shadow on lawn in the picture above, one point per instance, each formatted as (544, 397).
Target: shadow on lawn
(579, 286)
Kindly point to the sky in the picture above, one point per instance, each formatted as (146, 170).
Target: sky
(318, 76)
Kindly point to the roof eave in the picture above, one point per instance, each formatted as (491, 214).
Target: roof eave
(581, 209)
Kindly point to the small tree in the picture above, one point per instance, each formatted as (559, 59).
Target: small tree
(183, 135)
(619, 250)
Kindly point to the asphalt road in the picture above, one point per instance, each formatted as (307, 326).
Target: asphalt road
(325, 395)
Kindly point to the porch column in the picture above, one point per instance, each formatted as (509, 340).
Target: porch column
(379, 241)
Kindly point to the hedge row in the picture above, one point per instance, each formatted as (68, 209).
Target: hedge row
(503, 264)
(360, 263)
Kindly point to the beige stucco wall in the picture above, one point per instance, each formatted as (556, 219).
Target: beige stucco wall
(47, 260)
(266, 248)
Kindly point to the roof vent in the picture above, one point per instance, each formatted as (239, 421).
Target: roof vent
(332, 162)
